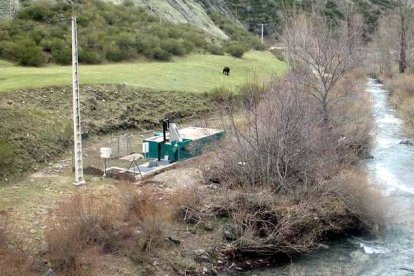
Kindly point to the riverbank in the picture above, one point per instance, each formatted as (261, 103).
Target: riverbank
(389, 172)
(402, 96)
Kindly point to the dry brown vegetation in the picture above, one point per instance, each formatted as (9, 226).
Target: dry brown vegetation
(323, 54)
(402, 95)
(289, 179)
(14, 260)
(130, 223)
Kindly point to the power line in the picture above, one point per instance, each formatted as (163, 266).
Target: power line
(34, 25)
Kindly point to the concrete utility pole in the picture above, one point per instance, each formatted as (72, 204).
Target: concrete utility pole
(262, 33)
(77, 133)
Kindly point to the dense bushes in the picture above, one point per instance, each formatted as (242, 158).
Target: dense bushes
(236, 50)
(107, 32)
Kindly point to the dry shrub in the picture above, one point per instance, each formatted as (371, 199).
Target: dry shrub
(186, 203)
(85, 228)
(280, 144)
(361, 199)
(143, 203)
(251, 92)
(351, 119)
(148, 219)
(270, 223)
(221, 95)
(130, 222)
(13, 259)
(402, 95)
(401, 87)
(290, 176)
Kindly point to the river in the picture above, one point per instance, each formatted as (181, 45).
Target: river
(392, 170)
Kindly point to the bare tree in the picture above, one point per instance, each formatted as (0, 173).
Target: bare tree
(349, 12)
(405, 12)
(394, 39)
(326, 53)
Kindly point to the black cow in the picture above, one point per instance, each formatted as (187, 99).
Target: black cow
(226, 71)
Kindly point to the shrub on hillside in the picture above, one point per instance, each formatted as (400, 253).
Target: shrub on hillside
(8, 50)
(35, 11)
(29, 55)
(174, 47)
(216, 50)
(159, 54)
(236, 50)
(116, 55)
(89, 57)
(107, 32)
(62, 56)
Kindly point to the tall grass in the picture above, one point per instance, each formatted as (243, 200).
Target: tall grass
(402, 95)
(130, 223)
(14, 260)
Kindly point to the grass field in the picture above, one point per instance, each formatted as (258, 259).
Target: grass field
(195, 73)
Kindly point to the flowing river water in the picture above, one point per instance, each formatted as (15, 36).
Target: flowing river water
(392, 170)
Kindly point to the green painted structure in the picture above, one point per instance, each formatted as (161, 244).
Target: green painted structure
(194, 141)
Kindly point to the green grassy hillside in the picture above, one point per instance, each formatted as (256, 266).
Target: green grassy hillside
(194, 73)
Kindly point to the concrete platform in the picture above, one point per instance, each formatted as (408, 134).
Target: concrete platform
(146, 169)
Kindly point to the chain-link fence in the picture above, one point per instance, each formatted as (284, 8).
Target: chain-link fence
(121, 145)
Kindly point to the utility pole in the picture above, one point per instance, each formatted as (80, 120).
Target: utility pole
(77, 133)
(262, 33)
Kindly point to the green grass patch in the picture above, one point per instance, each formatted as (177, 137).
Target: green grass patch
(194, 73)
(29, 136)
(4, 63)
